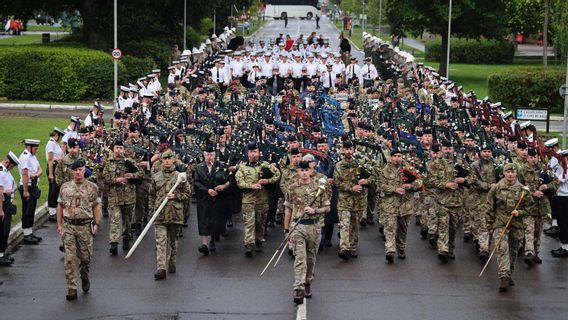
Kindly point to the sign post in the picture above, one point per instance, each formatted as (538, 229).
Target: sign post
(535, 115)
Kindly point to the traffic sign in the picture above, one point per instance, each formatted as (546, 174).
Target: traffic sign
(562, 90)
(116, 53)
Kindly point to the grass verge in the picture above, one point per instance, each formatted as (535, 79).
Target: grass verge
(16, 129)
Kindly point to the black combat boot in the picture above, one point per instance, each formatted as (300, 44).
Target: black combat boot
(85, 285)
(125, 244)
(160, 274)
(298, 296)
(113, 249)
(504, 284)
(443, 256)
(71, 294)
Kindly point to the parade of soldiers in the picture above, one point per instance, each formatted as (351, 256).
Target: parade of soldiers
(296, 138)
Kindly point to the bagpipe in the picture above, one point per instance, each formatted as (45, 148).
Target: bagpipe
(409, 176)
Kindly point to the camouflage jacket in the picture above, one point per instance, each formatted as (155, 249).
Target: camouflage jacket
(120, 194)
(78, 200)
(162, 183)
(501, 201)
(346, 175)
(299, 196)
(440, 172)
(483, 176)
(392, 203)
(63, 172)
(287, 177)
(531, 178)
(248, 175)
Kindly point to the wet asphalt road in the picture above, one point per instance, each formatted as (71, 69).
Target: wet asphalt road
(226, 285)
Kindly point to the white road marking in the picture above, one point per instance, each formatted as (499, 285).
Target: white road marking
(302, 313)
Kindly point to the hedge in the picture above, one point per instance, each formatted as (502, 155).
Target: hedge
(528, 88)
(473, 51)
(62, 74)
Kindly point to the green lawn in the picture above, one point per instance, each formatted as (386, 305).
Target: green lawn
(47, 28)
(21, 40)
(16, 129)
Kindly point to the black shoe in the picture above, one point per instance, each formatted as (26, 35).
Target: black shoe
(343, 254)
(537, 259)
(382, 230)
(327, 243)
(61, 248)
(38, 238)
(551, 232)
(443, 256)
(451, 255)
(529, 259)
(71, 294)
(160, 274)
(248, 253)
(203, 249)
(504, 284)
(560, 253)
(171, 268)
(363, 223)
(370, 221)
(423, 233)
(467, 237)
(180, 234)
(484, 256)
(390, 257)
(417, 222)
(401, 254)
(29, 239)
(5, 262)
(290, 252)
(52, 218)
(125, 244)
(258, 245)
(511, 282)
(433, 239)
(113, 249)
(212, 247)
(85, 285)
(298, 296)
(308, 291)
(11, 259)
(353, 253)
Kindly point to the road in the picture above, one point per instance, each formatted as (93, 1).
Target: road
(226, 285)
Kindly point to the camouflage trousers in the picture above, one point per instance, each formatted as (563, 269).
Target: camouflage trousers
(508, 250)
(470, 210)
(371, 203)
(78, 243)
(305, 240)
(480, 231)
(166, 245)
(120, 222)
(430, 214)
(141, 208)
(349, 229)
(254, 218)
(448, 221)
(532, 227)
(395, 230)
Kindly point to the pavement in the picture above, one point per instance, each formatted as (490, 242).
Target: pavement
(226, 285)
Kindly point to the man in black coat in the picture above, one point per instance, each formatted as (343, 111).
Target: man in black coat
(211, 179)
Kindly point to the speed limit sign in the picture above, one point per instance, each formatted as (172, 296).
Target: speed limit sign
(116, 53)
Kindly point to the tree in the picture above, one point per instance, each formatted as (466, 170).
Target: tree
(559, 27)
(524, 16)
(470, 18)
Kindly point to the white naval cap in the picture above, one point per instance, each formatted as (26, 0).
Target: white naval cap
(551, 142)
(12, 157)
(31, 142)
(125, 89)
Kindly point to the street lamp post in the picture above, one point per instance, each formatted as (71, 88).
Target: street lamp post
(380, 15)
(184, 24)
(564, 124)
(449, 39)
(115, 46)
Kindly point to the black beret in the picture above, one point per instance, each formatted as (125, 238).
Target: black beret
(304, 164)
(294, 151)
(532, 152)
(316, 129)
(292, 138)
(209, 148)
(77, 164)
(427, 131)
(133, 127)
(442, 117)
(435, 148)
(396, 150)
(118, 143)
(269, 120)
(252, 146)
(446, 143)
(347, 144)
(485, 146)
(485, 122)
(498, 135)
(521, 145)
(72, 143)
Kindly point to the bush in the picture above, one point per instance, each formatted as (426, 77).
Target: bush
(473, 51)
(528, 88)
(157, 51)
(62, 73)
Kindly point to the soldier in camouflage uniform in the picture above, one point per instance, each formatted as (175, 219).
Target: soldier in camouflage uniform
(352, 201)
(442, 180)
(538, 210)
(501, 202)
(250, 180)
(170, 219)
(63, 172)
(484, 178)
(305, 205)
(122, 195)
(78, 217)
(397, 205)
